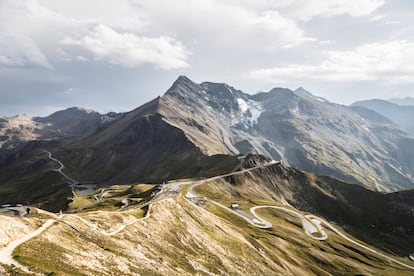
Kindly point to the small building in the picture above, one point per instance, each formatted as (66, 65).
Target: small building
(234, 206)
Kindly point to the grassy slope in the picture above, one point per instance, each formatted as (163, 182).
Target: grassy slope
(336, 255)
(383, 219)
(28, 176)
(181, 239)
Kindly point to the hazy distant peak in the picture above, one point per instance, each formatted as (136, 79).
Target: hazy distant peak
(79, 110)
(399, 114)
(280, 90)
(305, 93)
(404, 101)
(374, 103)
(70, 112)
(301, 89)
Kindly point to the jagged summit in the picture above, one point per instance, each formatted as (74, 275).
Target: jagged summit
(222, 93)
(183, 85)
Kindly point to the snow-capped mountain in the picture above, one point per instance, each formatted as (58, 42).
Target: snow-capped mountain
(305, 131)
(197, 130)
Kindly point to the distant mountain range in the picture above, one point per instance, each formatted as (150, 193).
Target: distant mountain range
(403, 101)
(400, 111)
(71, 123)
(197, 130)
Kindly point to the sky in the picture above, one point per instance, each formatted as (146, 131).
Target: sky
(116, 55)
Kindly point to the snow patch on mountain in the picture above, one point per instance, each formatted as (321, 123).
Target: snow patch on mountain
(242, 105)
(250, 112)
(320, 99)
(256, 110)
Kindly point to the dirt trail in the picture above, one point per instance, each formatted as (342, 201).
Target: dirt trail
(6, 254)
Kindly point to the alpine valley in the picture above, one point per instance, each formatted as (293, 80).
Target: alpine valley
(208, 180)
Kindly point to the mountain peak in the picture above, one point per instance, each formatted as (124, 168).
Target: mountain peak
(183, 85)
(277, 91)
(79, 109)
(182, 81)
(302, 92)
(221, 90)
(300, 89)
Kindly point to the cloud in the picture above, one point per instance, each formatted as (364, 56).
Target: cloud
(306, 10)
(131, 50)
(81, 58)
(26, 30)
(389, 61)
(225, 24)
(288, 30)
(21, 51)
(377, 17)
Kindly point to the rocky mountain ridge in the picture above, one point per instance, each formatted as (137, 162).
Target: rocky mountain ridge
(196, 130)
(72, 123)
(305, 131)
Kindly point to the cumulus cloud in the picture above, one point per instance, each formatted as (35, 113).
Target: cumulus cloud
(131, 50)
(288, 30)
(224, 23)
(390, 61)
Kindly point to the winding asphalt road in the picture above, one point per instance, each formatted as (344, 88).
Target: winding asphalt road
(330, 226)
(311, 223)
(191, 194)
(73, 182)
(311, 227)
